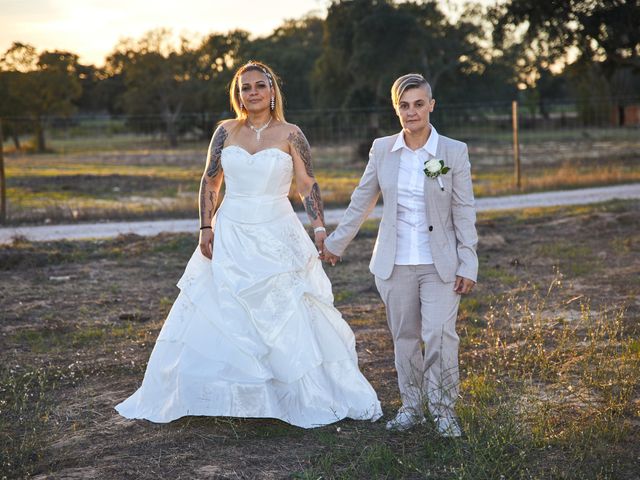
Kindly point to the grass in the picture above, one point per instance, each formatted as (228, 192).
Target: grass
(562, 177)
(123, 182)
(536, 388)
(47, 340)
(574, 259)
(24, 402)
(549, 359)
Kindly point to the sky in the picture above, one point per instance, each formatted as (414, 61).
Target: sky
(92, 28)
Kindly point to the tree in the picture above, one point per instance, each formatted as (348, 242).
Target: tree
(217, 58)
(369, 43)
(160, 79)
(447, 50)
(604, 32)
(41, 88)
(292, 50)
(154, 78)
(92, 98)
(16, 61)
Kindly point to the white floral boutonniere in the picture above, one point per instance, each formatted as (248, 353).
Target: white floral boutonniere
(434, 168)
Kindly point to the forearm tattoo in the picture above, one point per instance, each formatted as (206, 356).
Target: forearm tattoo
(313, 204)
(208, 198)
(215, 152)
(301, 145)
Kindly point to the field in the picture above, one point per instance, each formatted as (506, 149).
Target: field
(549, 359)
(133, 182)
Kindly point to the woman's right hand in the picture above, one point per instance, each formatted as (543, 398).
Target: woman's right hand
(206, 242)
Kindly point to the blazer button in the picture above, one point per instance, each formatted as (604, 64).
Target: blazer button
(431, 228)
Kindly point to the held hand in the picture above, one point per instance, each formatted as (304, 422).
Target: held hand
(463, 285)
(319, 238)
(206, 242)
(330, 257)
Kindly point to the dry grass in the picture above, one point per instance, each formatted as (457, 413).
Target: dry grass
(137, 183)
(549, 362)
(561, 177)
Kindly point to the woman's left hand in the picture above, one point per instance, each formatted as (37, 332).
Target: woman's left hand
(463, 285)
(319, 241)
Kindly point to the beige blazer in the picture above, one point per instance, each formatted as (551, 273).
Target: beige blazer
(451, 213)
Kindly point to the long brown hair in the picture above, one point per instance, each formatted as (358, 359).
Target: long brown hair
(234, 91)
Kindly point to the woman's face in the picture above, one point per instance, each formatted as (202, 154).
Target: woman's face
(414, 108)
(255, 92)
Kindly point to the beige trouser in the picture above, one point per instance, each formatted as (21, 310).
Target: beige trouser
(422, 308)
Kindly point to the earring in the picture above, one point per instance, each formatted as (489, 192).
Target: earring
(241, 106)
(273, 103)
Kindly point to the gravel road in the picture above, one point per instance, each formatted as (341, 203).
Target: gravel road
(332, 216)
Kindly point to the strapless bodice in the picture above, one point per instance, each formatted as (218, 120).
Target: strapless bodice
(256, 185)
(253, 332)
(266, 172)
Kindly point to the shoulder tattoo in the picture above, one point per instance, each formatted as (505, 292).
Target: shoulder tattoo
(215, 152)
(299, 142)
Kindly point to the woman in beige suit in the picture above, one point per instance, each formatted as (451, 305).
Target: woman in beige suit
(424, 258)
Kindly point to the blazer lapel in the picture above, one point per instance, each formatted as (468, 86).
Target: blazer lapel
(431, 191)
(391, 169)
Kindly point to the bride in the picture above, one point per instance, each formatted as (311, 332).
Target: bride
(253, 332)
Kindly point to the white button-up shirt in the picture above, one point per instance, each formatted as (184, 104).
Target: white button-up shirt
(411, 228)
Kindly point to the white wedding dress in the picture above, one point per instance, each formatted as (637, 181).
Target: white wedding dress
(253, 333)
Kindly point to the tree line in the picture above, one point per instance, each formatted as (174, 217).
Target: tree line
(535, 51)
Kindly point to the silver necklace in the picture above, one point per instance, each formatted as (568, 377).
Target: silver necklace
(259, 130)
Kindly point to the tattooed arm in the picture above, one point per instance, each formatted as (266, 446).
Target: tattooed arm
(308, 188)
(305, 181)
(209, 189)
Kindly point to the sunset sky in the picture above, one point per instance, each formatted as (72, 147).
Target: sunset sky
(91, 28)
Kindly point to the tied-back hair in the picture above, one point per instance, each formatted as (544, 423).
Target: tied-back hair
(407, 82)
(272, 79)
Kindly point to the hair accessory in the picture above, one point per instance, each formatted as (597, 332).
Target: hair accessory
(264, 70)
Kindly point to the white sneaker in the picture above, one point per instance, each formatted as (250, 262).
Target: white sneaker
(405, 419)
(448, 427)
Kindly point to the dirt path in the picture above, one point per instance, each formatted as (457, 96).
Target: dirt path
(549, 357)
(332, 216)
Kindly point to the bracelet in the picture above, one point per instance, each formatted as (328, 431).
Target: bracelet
(319, 229)
(202, 228)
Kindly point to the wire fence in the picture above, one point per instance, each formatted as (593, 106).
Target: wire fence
(485, 126)
(121, 167)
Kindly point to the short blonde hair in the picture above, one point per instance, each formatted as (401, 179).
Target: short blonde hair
(234, 89)
(406, 82)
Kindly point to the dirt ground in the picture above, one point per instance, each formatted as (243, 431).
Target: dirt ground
(78, 321)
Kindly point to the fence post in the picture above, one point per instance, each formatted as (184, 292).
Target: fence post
(516, 144)
(3, 183)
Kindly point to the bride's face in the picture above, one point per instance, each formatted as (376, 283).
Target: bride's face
(255, 92)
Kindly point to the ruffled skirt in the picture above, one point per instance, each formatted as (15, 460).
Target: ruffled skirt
(254, 333)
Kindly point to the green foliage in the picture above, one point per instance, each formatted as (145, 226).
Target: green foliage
(179, 87)
(605, 34)
(24, 401)
(291, 50)
(160, 80)
(369, 43)
(39, 88)
(597, 29)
